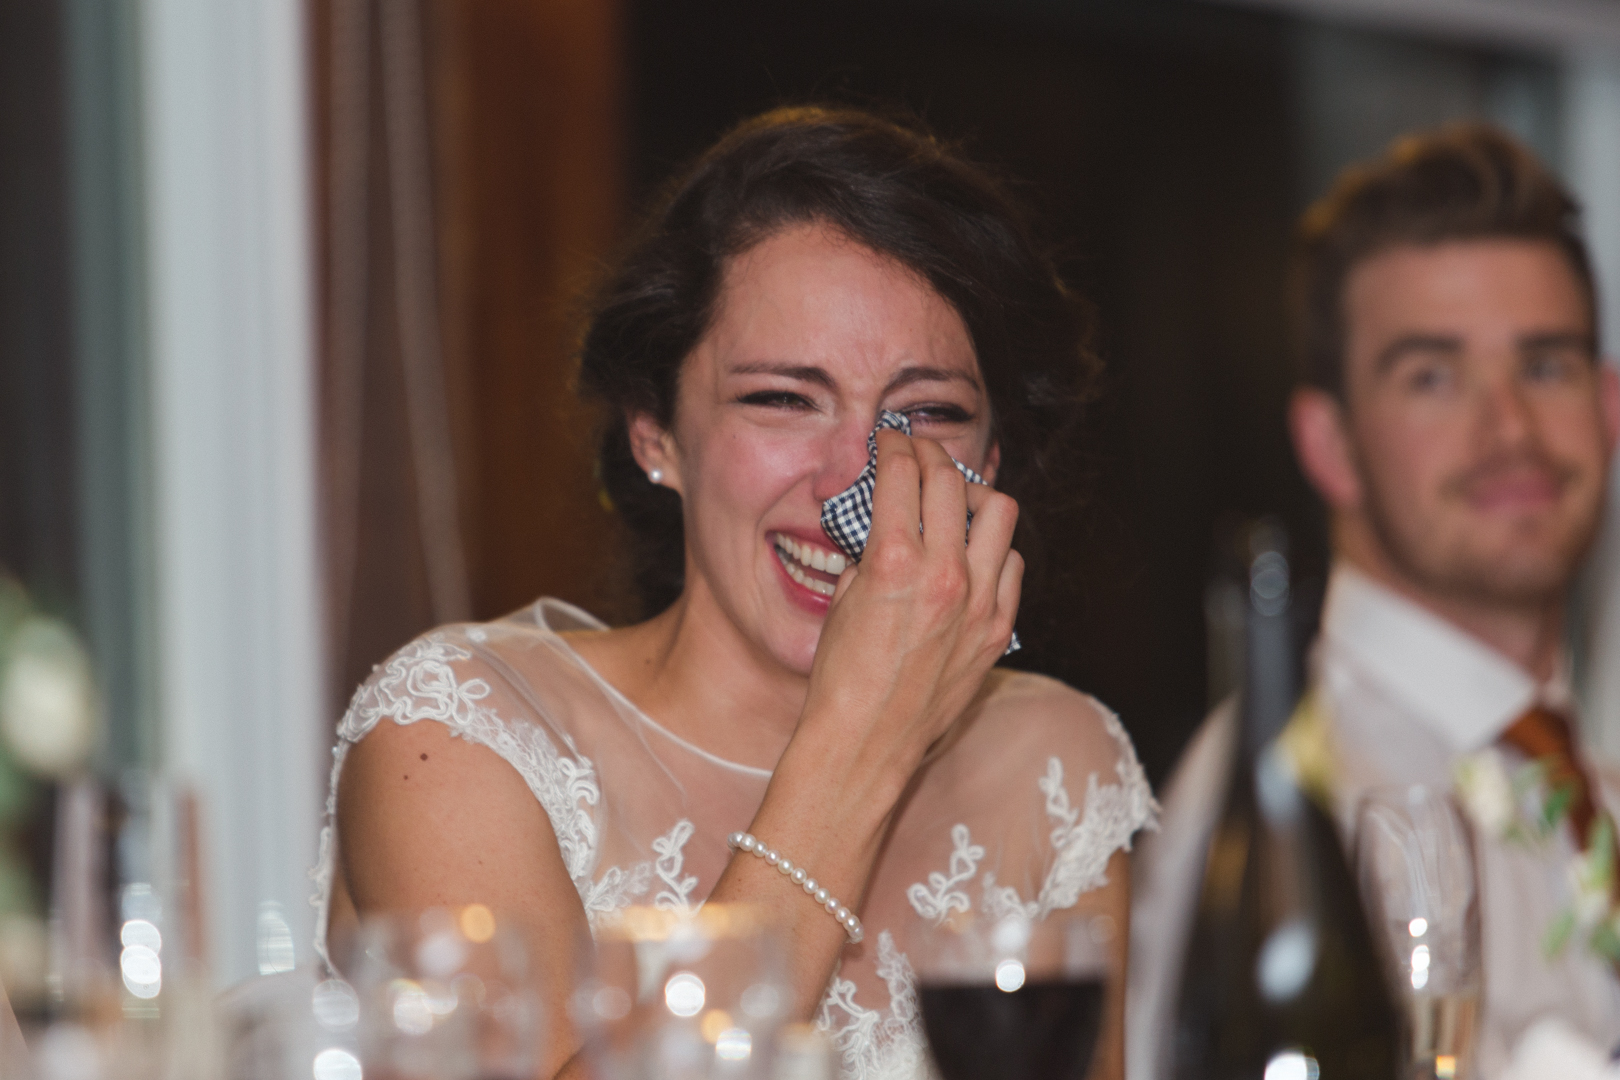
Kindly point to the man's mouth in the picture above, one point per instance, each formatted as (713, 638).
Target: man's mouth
(811, 565)
(1520, 487)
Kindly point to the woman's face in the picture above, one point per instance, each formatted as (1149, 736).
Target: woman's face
(813, 334)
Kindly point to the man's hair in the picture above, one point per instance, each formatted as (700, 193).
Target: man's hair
(1466, 182)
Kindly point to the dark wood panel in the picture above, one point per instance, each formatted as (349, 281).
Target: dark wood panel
(529, 138)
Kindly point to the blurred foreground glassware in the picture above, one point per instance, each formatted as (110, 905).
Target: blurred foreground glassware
(130, 993)
(294, 1025)
(682, 996)
(1011, 996)
(444, 995)
(1417, 873)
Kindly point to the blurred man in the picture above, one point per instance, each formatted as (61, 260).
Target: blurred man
(1455, 418)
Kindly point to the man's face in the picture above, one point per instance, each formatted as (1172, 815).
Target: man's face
(1479, 427)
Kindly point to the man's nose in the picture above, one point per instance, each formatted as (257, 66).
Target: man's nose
(1507, 416)
(843, 456)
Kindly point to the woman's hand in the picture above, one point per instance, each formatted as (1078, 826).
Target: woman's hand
(915, 627)
(910, 637)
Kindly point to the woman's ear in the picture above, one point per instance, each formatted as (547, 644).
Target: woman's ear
(654, 451)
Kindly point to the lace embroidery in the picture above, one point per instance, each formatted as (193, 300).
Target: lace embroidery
(617, 888)
(420, 683)
(939, 898)
(868, 1044)
(1113, 813)
(677, 897)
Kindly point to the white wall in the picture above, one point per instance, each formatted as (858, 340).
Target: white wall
(239, 644)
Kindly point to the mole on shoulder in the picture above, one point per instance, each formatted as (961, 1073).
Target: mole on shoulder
(407, 776)
(424, 757)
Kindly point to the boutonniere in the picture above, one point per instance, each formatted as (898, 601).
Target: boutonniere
(1521, 808)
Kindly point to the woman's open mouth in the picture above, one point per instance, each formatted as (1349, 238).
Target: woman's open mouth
(810, 565)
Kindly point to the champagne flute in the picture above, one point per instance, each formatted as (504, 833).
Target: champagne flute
(1417, 874)
(684, 996)
(1013, 996)
(444, 995)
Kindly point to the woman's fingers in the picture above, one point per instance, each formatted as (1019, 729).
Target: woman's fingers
(1009, 587)
(944, 497)
(995, 517)
(895, 497)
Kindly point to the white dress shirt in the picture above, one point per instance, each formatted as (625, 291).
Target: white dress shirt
(1407, 694)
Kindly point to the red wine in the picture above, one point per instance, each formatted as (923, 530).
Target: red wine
(1280, 966)
(1041, 1031)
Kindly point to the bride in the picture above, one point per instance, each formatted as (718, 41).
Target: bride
(811, 270)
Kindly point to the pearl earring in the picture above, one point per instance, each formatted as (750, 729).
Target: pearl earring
(656, 476)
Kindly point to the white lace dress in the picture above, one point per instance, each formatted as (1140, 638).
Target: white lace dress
(1025, 809)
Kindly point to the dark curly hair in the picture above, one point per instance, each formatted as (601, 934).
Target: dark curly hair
(1469, 181)
(892, 188)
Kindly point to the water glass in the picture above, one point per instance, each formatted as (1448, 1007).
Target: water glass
(1415, 857)
(444, 995)
(683, 996)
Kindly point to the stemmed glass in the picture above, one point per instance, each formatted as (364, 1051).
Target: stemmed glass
(129, 985)
(1012, 996)
(683, 996)
(444, 995)
(1416, 863)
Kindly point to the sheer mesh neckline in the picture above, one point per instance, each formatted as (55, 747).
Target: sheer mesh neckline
(543, 609)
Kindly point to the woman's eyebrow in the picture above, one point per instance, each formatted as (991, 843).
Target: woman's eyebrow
(802, 372)
(910, 375)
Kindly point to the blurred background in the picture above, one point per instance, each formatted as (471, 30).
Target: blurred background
(288, 295)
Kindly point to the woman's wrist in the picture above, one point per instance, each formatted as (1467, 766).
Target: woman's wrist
(862, 775)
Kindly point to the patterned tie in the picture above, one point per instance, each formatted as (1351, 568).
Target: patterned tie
(1541, 734)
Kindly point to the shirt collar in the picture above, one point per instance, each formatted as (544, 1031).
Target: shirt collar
(1456, 685)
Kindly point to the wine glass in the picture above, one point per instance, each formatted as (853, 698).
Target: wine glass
(683, 996)
(444, 995)
(1013, 996)
(1416, 863)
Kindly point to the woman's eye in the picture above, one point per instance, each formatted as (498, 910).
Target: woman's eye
(938, 414)
(777, 399)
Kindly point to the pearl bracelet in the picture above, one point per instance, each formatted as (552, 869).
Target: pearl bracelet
(742, 841)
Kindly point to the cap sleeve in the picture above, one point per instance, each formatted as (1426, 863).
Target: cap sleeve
(464, 678)
(1072, 792)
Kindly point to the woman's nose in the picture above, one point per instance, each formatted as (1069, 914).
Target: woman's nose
(843, 456)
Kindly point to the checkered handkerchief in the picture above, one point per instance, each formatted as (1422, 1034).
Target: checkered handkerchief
(846, 518)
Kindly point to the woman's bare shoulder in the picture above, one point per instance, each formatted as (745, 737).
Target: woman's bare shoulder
(1025, 713)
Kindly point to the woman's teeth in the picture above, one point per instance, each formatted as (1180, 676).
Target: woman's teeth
(796, 555)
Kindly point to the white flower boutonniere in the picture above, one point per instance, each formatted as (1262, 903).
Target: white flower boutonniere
(1486, 793)
(1522, 808)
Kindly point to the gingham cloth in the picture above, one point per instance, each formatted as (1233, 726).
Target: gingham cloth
(846, 518)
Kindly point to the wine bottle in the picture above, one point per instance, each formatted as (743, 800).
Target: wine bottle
(1280, 980)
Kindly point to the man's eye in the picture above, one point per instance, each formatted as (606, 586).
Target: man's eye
(1429, 378)
(1549, 367)
(777, 399)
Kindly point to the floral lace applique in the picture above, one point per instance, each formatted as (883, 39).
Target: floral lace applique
(873, 1047)
(676, 896)
(939, 897)
(869, 1045)
(1113, 813)
(420, 683)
